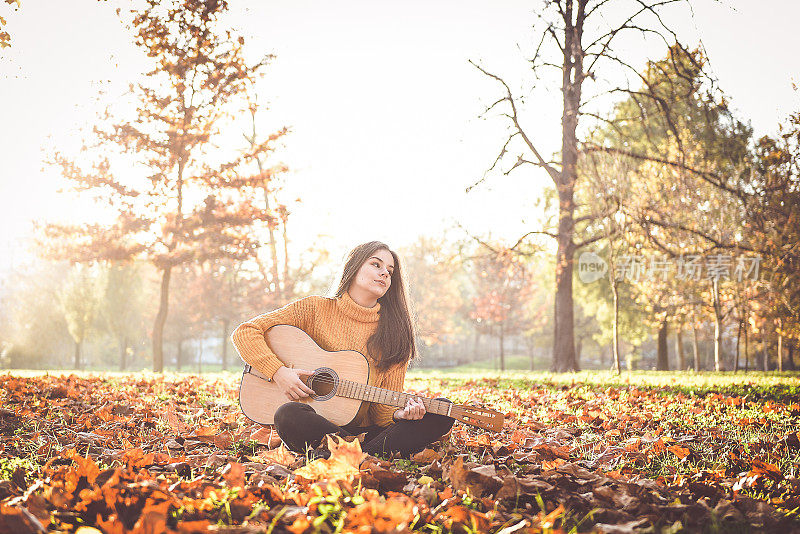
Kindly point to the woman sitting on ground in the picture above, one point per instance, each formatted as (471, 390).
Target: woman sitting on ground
(368, 314)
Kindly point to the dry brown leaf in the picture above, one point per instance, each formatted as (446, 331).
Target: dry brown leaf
(280, 455)
(426, 456)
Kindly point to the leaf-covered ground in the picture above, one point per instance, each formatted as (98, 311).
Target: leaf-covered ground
(586, 452)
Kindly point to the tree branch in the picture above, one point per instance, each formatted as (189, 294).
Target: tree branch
(554, 174)
(498, 158)
(708, 176)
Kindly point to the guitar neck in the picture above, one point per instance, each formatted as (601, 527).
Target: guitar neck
(364, 392)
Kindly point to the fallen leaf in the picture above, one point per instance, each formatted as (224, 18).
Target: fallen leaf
(344, 461)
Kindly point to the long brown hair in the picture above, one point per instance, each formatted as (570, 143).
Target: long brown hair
(394, 337)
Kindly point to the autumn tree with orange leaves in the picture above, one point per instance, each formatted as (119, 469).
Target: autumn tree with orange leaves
(503, 290)
(5, 37)
(182, 206)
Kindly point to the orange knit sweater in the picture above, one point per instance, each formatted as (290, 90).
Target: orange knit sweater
(335, 324)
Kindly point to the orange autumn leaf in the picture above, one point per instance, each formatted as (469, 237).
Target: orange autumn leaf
(231, 418)
(633, 445)
(344, 462)
(174, 421)
(86, 466)
(266, 435)
(191, 527)
(300, 525)
(680, 452)
(461, 516)
(137, 458)
(223, 440)
(764, 468)
(518, 436)
(233, 474)
(390, 515)
(658, 446)
(547, 464)
(206, 431)
(485, 440)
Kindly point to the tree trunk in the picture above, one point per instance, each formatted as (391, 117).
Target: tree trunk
(179, 357)
(746, 348)
(765, 356)
(736, 356)
(77, 362)
(531, 353)
(695, 349)
(502, 349)
(629, 357)
(717, 344)
(679, 349)
(288, 285)
(564, 333)
(278, 287)
(780, 346)
(615, 327)
(717, 325)
(571, 80)
(662, 358)
(161, 319)
(123, 351)
(790, 360)
(225, 325)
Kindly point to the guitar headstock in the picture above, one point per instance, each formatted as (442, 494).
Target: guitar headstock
(477, 416)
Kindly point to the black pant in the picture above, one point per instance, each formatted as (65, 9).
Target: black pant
(301, 427)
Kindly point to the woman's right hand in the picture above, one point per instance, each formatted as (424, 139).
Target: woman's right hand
(289, 381)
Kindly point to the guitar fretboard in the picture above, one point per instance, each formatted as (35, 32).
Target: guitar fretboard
(364, 392)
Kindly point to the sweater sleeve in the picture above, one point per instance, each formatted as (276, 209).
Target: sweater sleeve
(381, 414)
(249, 337)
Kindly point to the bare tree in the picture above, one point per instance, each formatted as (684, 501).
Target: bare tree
(582, 34)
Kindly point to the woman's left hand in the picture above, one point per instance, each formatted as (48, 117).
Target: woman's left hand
(414, 409)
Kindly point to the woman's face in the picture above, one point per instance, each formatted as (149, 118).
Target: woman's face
(375, 275)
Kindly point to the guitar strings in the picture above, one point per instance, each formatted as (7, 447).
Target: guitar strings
(326, 380)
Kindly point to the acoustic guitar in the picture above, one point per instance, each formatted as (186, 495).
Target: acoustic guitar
(340, 384)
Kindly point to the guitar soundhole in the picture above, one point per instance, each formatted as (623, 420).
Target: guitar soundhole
(324, 382)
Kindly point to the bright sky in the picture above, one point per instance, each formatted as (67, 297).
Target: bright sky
(381, 99)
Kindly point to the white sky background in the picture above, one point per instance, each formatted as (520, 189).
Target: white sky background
(381, 99)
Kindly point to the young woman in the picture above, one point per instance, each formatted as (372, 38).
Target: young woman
(368, 314)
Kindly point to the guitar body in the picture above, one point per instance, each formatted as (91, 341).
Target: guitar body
(260, 398)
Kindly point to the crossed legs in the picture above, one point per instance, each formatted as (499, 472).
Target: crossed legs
(301, 427)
